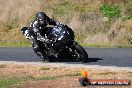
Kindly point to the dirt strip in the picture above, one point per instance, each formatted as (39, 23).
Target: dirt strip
(55, 75)
(71, 65)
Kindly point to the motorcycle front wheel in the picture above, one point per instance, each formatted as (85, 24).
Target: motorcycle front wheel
(79, 53)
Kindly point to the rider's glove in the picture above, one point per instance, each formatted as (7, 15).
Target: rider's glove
(27, 34)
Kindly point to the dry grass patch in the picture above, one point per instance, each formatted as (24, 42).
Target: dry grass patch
(128, 24)
(108, 73)
(53, 76)
(83, 16)
(3, 65)
(44, 68)
(130, 73)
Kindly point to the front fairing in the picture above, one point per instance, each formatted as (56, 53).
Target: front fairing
(60, 33)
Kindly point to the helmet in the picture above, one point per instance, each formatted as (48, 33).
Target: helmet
(41, 17)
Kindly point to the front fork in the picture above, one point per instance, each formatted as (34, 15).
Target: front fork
(71, 47)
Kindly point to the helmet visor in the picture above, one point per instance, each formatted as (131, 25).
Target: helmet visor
(41, 21)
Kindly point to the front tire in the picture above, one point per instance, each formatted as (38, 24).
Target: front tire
(79, 53)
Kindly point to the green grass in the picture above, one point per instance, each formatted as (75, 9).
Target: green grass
(26, 44)
(123, 46)
(110, 10)
(129, 16)
(15, 44)
(9, 82)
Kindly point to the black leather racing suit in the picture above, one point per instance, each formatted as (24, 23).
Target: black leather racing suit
(36, 30)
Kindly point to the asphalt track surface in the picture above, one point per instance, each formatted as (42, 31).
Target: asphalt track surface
(120, 57)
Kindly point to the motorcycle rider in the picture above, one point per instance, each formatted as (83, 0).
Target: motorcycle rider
(37, 28)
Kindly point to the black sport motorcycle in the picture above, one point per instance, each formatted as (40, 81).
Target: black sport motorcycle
(60, 43)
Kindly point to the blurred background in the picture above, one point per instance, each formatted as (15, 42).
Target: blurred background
(106, 23)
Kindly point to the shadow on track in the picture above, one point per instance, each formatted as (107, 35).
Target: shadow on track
(93, 60)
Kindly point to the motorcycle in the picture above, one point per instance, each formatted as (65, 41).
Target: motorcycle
(60, 43)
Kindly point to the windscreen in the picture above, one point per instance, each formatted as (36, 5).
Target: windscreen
(58, 32)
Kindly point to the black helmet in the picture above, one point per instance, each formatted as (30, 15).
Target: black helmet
(41, 17)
